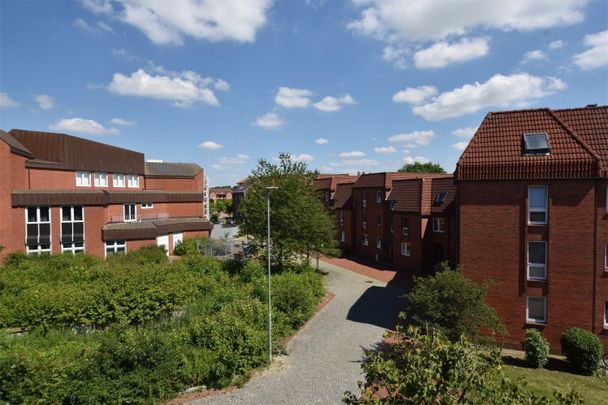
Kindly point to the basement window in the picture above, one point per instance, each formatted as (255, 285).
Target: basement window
(536, 143)
(536, 310)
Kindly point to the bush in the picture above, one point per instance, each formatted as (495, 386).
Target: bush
(536, 347)
(188, 246)
(454, 304)
(582, 349)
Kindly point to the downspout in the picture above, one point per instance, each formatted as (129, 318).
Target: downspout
(595, 240)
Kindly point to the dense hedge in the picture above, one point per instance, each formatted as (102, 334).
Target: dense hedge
(582, 349)
(167, 326)
(536, 348)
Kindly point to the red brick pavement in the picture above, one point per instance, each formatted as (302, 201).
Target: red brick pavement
(377, 271)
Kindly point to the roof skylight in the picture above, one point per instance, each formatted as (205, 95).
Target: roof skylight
(536, 143)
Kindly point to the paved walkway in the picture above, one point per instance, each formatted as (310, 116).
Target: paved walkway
(324, 359)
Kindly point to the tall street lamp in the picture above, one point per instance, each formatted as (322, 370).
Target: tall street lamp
(269, 300)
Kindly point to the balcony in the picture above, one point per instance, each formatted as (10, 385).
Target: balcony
(140, 218)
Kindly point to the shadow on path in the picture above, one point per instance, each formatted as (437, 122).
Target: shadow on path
(377, 306)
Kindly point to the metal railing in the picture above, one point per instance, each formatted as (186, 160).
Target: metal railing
(140, 218)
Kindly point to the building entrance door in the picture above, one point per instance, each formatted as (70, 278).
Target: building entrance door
(163, 240)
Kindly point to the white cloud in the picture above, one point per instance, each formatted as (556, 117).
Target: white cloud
(293, 98)
(385, 149)
(535, 55)
(7, 102)
(45, 102)
(396, 55)
(499, 91)
(597, 54)
(359, 162)
(414, 139)
(330, 104)
(304, 157)
(408, 160)
(407, 20)
(414, 95)
(444, 53)
(321, 141)
(210, 145)
(182, 88)
(97, 28)
(466, 133)
(460, 145)
(98, 6)
(221, 85)
(82, 125)
(556, 44)
(165, 22)
(270, 121)
(121, 121)
(239, 159)
(352, 154)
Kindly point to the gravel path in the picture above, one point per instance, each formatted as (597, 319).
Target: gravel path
(324, 359)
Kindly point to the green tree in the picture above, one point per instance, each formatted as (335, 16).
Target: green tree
(417, 167)
(453, 303)
(300, 225)
(421, 366)
(219, 206)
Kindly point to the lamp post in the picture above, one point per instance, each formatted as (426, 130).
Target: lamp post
(269, 295)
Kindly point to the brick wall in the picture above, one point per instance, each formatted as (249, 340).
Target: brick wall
(45, 179)
(373, 231)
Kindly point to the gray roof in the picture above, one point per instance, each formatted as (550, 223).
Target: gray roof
(158, 169)
(16, 146)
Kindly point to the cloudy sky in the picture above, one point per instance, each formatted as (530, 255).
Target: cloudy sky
(362, 85)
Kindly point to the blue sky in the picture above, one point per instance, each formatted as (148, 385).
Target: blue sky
(347, 86)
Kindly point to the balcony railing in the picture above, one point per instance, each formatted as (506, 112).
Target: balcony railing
(140, 218)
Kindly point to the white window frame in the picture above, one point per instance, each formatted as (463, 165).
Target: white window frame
(147, 206)
(341, 215)
(133, 213)
(378, 242)
(133, 180)
(97, 179)
(405, 226)
(545, 210)
(606, 315)
(114, 245)
(436, 225)
(82, 175)
(406, 249)
(542, 265)
(365, 240)
(39, 248)
(378, 197)
(119, 180)
(342, 236)
(72, 246)
(364, 199)
(533, 320)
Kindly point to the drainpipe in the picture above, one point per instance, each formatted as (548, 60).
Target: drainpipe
(595, 240)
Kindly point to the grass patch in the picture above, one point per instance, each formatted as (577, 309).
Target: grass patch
(594, 389)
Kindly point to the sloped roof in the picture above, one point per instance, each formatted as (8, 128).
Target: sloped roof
(15, 145)
(342, 195)
(220, 190)
(578, 141)
(331, 181)
(66, 152)
(418, 195)
(440, 185)
(172, 170)
(385, 179)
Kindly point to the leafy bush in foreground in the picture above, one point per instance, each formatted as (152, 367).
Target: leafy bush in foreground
(582, 349)
(536, 348)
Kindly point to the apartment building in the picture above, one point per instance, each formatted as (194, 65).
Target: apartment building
(220, 193)
(533, 217)
(424, 225)
(62, 193)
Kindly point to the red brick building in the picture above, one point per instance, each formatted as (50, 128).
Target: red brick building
(220, 193)
(61, 193)
(532, 191)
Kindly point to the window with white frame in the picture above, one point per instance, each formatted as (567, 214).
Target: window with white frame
(342, 236)
(101, 179)
(38, 230)
(115, 247)
(364, 240)
(537, 260)
(147, 205)
(606, 315)
(378, 243)
(130, 212)
(405, 249)
(341, 218)
(405, 226)
(438, 225)
(133, 180)
(378, 197)
(83, 179)
(72, 229)
(118, 180)
(364, 199)
(537, 205)
(364, 221)
(536, 310)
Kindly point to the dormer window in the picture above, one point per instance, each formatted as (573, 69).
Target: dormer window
(536, 144)
(441, 197)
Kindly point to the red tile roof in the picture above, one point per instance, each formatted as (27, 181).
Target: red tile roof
(331, 181)
(385, 179)
(343, 195)
(438, 186)
(419, 195)
(578, 140)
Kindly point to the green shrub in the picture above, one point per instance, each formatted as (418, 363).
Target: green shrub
(188, 246)
(582, 349)
(536, 347)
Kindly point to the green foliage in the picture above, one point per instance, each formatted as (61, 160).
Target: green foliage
(453, 303)
(195, 322)
(536, 347)
(300, 224)
(582, 349)
(421, 366)
(220, 206)
(188, 246)
(417, 167)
